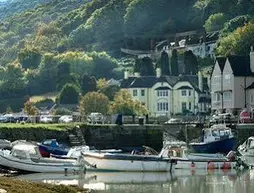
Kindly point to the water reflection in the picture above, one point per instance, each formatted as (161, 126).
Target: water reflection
(180, 181)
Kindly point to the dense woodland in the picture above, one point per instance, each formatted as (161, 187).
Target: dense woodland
(56, 45)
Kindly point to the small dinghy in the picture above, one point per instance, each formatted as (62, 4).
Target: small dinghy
(26, 157)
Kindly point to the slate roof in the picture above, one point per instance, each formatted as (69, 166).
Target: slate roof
(184, 87)
(240, 65)
(163, 88)
(149, 81)
(221, 61)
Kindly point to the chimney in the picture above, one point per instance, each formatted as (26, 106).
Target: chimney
(126, 74)
(252, 59)
(158, 72)
(200, 81)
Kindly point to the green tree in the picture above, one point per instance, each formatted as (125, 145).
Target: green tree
(234, 23)
(88, 83)
(14, 83)
(110, 91)
(238, 42)
(174, 63)
(63, 69)
(94, 102)
(69, 94)
(164, 63)
(103, 65)
(145, 66)
(124, 104)
(29, 58)
(215, 22)
(190, 62)
(48, 73)
(30, 108)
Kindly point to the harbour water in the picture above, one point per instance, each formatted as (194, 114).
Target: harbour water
(180, 181)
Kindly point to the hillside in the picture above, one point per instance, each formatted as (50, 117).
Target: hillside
(11, 7)
(87, 35)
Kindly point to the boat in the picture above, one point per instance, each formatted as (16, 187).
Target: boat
(127, 162)
(51, 146)
(5, 144)
(246, 151)
(188, 160)
(75, 152)
(26, 157)
(216, 139)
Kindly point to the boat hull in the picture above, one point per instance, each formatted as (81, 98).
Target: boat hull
(221, 146)
(41, 165)
(192, 165)
(135, 163)
(47, 150)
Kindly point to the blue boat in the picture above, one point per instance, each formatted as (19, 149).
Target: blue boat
(216, 139)
(51, 146)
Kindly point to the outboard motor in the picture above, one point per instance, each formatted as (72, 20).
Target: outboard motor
(231, 156)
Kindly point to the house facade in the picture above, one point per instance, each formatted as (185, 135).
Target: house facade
(231, 84)
(168, 95)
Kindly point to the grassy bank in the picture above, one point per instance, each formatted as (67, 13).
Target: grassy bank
(35, 132)
(18, 186)
(57, 126)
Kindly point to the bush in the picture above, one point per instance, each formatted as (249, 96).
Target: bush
(47, 102)
(63, 111)
(69, 94)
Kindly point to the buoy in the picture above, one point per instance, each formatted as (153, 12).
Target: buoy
(226, 166)
(210, 166)
(192, 165)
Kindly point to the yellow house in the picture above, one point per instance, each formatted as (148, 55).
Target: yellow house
(168, 95)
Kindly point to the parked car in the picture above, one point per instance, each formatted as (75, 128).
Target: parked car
(95, 118)
(174, 120)
(65, 119)
(46, 119)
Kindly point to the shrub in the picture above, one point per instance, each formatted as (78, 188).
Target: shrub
(69, 94)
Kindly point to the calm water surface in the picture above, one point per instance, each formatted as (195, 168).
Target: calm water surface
(181, 181)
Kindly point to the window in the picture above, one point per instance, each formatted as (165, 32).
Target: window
(189, 105)
(135, 93)
(183, 106)
(162, 106)
(189, 92)
(162, 93)
(251, 98)
(184, 93)
(227, 96)
(142, 92)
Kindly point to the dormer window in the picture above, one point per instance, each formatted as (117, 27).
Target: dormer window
(184, 93)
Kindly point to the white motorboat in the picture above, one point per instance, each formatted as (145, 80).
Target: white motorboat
(26, 157)
(187, 160)
(127, 162)
(247, 151)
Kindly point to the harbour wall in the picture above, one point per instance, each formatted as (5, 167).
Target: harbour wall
(116, 136)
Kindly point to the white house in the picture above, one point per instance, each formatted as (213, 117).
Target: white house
(232, 83)
(168, 95)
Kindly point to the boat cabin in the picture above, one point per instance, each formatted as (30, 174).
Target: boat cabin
(24, 151)
(248, 144)
(215, 133)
